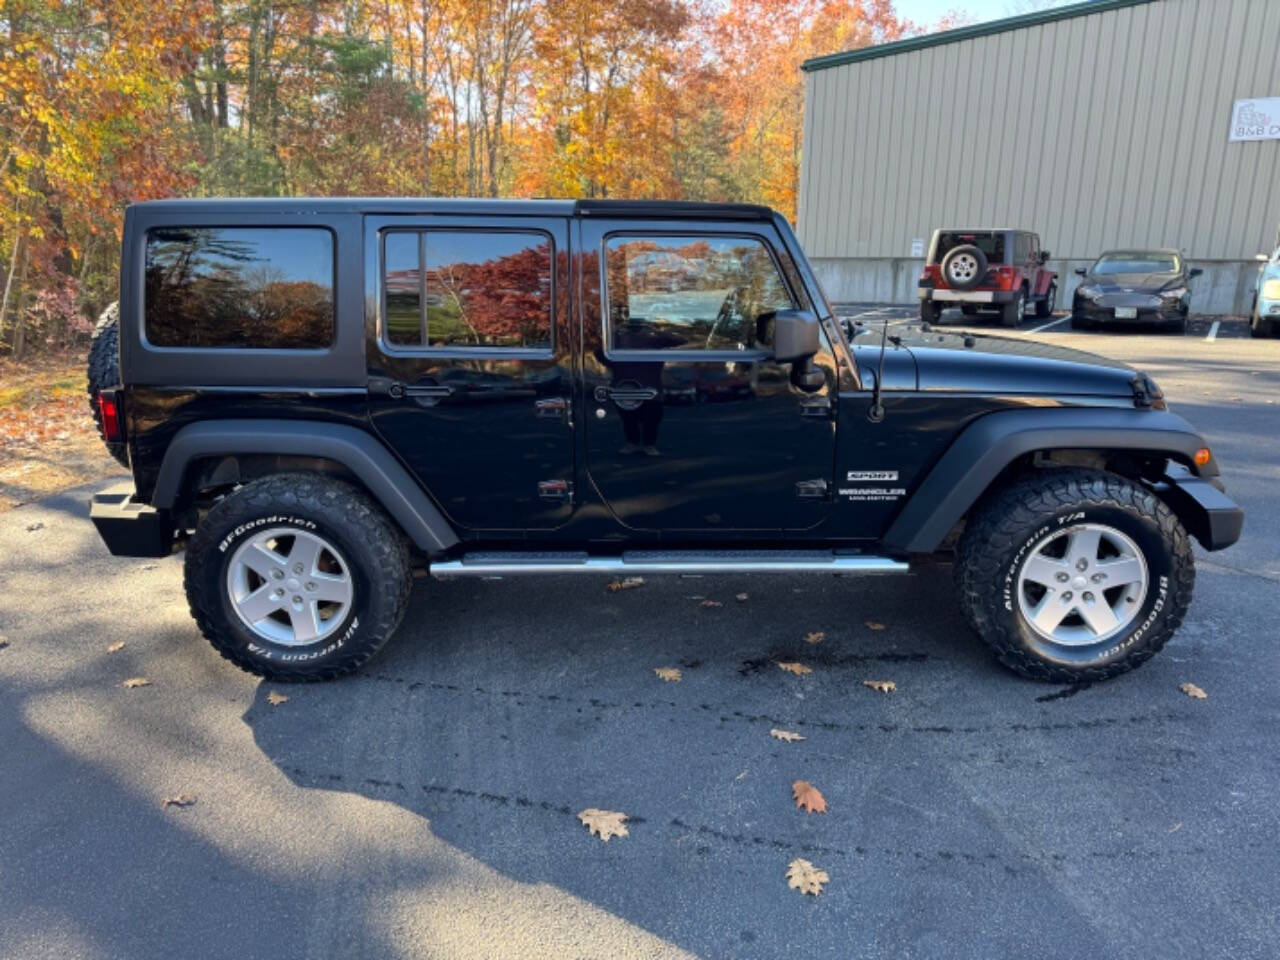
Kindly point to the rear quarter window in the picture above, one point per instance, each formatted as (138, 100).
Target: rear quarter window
(239, 287)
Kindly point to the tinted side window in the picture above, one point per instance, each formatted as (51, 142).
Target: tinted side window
(691, 293)
(460, 288)
(268, 287)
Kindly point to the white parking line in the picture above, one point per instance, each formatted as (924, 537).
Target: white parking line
(1212, 335)
(1046, 326)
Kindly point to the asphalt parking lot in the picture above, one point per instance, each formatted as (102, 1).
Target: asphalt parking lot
(426, 807)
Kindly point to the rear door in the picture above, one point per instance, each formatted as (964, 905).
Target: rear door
(689, 425)
(470, 362)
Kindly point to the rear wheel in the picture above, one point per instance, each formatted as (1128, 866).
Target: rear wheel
(297, 577)
(930, 312)
(1074, 575)
(1011, 313)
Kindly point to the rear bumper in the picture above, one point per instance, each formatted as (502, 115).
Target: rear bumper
(1204, 509)
(128, 527)
(965, 296)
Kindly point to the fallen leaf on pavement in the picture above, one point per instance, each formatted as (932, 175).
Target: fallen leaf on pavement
(181, 800)
(799, 669)
(711, 603)
(604, 823)
(1176, 827)
(1192, 691)
(33, 527)
(874, 625)
(275, 698)
(136, 682)
(817, 636)
(741, 598)
(786, 735)
(884, 686)
(115, 647)
(808, 798)
(668, 674)
(630, 583)
(805, 877)
(4, 642)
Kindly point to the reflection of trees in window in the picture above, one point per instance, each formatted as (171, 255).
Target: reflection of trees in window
(500, 301)
(226, 288)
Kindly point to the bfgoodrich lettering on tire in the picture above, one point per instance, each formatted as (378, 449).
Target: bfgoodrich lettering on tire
(1073, 575)
(297, 577)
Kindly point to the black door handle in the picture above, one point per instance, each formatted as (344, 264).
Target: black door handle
(551, 407)
(627, 398)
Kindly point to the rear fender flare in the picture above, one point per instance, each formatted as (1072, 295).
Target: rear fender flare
(988, 445)
(371, 462)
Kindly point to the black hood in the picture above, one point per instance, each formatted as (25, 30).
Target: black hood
(978, 363)
(1134, 282)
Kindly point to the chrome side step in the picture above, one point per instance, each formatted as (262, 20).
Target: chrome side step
(503, 564)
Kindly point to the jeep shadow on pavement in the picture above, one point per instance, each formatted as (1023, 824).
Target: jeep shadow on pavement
(317, 396)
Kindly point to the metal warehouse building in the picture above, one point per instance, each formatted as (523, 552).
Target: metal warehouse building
(1103, 125)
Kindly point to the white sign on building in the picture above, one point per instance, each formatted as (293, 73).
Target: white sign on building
(1257, 119)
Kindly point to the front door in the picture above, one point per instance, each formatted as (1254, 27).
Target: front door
(690, 426)
(470, 362)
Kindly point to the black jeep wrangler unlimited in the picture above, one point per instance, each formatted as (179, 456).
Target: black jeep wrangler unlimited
(314, 396)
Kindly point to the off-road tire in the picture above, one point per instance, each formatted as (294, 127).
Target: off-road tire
(372, 546)
(930, 312)
(979, 273)
(1008, 522)
(104, 370)
(1013, 312)
(1045, 305)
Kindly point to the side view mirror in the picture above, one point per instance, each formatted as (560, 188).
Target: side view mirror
(1044, 256)
(795, 335)
(1081, 271)
(1194, 272)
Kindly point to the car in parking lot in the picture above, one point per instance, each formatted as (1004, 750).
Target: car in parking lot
(987, 269)
(1134, 286)
(1265, 321)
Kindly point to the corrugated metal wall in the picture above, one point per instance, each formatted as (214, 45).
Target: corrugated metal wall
(1105, 130)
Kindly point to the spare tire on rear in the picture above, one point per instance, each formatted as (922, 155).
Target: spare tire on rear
(964, 267)
(104, 369)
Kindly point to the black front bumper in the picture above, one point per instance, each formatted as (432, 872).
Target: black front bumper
(1204, 509)
(1087, 310)
(128, 527)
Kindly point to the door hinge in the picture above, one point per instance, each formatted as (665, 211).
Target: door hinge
(812, 490)
(555, 490)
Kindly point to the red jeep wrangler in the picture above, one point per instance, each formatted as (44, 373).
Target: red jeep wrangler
(987, 269)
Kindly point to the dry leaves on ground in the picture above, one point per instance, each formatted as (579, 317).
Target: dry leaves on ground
(181, 800)
(630, 583)
(1192, 691)
(805, 877)
(33, 527)
(874, 625)
(136, 682)
(4, 642)
(799, 669)
(668, 674)
(604, 823)
(115, 647)
(275, 698)
(808, 798)
(786, 735)
(884, 686)
(817, 636)
(711, 603)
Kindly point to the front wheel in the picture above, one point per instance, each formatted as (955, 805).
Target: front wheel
(297, 577)
(1074, 575)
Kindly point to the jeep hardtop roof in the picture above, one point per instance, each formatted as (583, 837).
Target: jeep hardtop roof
(669, 209)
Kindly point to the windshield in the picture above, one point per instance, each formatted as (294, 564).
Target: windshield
(1136, 263)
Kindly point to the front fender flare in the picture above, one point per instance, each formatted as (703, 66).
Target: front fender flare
(989, 444)
(371, 462)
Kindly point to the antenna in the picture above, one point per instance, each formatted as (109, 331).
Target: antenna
(875, 413)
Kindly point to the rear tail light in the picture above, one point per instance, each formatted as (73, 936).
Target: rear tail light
(1002, 278)
(931, 272)
(109, 412)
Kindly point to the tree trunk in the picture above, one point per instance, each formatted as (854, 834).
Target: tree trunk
(8, 279)
(20, 313)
